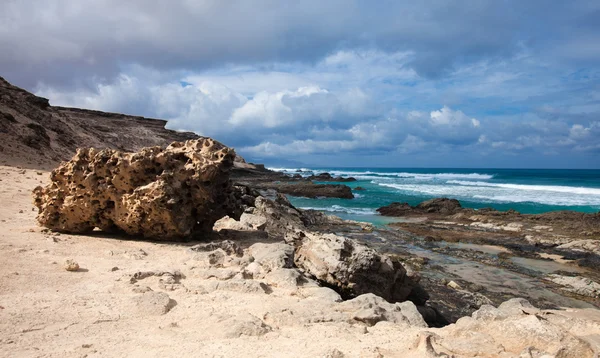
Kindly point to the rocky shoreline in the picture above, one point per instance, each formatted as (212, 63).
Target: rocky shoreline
(555, 253)
(186, 249)
(258, 177)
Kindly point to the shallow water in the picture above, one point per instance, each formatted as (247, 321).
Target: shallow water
(546, 266)
(495, 279)
(487, 249)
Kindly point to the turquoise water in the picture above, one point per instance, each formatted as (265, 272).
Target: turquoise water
(529, 191)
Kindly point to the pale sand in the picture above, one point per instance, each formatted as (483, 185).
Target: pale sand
(47, 311)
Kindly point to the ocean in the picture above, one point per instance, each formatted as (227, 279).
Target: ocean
(529, 191)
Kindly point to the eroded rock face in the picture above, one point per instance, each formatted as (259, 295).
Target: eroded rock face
(352, 268)
(155, 193)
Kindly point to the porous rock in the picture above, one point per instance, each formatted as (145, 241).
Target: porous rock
(156, 193)
(71, 265)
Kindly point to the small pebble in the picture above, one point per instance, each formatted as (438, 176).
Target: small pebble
(71, 265)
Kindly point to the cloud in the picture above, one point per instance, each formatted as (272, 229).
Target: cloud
(355, 82)
(62, 42)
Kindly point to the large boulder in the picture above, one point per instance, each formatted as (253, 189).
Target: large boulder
(396, 209)
(155, 193)
(308, 189)
(351, 268)
(328, 177)
(443, 206)
(440, 205)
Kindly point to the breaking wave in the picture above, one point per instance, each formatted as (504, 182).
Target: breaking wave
(342, 209)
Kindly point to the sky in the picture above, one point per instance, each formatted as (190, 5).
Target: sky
(499, 83)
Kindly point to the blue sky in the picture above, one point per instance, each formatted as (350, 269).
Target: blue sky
(347, 83)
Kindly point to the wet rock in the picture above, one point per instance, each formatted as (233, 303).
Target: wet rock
(329, 177)
(156, 193)
(310, 190)
(395, 209)
(440, 205)
(582, 245)
(580, 285)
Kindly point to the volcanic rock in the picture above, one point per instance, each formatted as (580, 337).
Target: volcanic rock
(310, 190)
(155, 193)
(329, 177)
(442, 206)
(395, 209)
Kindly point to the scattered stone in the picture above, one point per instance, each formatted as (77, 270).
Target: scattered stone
(71, 265)
(228, 246)
(138, 254)
(334, 353)
(153, 303)
(454, 285)
(244, 325)
(114, 269)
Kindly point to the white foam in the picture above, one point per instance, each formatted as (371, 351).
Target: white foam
(343, 209)
(289, 170)
(427, 176)
(368, 175)
(419, 176)
(550, 188)
(502, 194)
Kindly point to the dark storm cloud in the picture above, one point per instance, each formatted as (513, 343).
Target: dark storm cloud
(62, 42)
(335, 80)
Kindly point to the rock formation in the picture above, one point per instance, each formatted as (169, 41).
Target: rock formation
(442, 206)
(258, 177)
(308, 189)
(329, 177)
(352, 268)
(155, 193)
